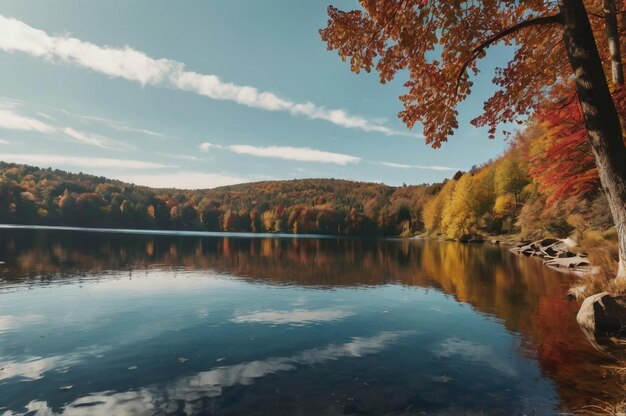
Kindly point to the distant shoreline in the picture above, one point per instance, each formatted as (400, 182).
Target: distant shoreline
(183, 233)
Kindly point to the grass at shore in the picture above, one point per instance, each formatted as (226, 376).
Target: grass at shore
(603, 255)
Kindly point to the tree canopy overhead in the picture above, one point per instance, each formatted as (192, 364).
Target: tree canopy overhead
(439, 44)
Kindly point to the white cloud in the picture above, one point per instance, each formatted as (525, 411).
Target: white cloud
(206, 146)
(133, 65)
(12, 120)
(114, 124)
(295, 317)
(91, 139)
(82, 162)
(2, 141)
(423, 167)
(180, 156)
(301, 154)
(183, 180)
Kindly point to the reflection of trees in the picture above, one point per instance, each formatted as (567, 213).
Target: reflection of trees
(526, 297)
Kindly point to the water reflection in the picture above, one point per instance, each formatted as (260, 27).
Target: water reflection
(186, 394)
(516, 293)
(475, 353)
(295, 317)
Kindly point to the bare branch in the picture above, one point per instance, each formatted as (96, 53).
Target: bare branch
(537, 21)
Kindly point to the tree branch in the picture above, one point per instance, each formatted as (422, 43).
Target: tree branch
(537, 21)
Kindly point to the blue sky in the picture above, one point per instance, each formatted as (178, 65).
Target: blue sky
(202, 93)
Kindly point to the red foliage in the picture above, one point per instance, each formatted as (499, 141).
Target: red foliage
(566, 166)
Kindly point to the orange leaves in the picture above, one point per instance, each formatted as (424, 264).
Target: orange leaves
(438, 43)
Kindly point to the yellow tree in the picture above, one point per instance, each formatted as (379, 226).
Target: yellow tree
(438, 44)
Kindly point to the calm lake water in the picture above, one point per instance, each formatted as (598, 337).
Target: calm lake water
(122, 324)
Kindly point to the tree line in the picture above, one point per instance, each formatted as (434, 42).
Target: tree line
(31, 195)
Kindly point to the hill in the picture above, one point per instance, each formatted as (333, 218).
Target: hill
(31, 195)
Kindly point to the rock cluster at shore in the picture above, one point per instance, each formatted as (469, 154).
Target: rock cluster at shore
(555, 253)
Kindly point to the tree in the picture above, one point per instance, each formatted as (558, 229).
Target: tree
(511, 178)
(439, 43)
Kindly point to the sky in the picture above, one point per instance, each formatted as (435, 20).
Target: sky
(206, 93)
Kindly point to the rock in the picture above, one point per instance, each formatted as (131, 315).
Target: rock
(603, 314)
(546, 242)
(567, 262)
(556, 254)
(465, 238)
(569, 242)
(495, 241)
(550, 252)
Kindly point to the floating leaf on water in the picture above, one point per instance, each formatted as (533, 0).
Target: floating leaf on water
(443, 379)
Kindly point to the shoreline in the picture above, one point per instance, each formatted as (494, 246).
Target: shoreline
(508, 242)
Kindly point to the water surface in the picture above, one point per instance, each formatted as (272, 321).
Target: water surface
(108, 323)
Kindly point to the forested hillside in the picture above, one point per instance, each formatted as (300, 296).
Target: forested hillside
(30, 195)
(545, 184)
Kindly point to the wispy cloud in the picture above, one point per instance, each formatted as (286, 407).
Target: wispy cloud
(184, 180)
(299, 154)
(88, 138)
(2, 141)
(11, 119)
(134, 65)
(181, 157)
(114, 124)
(422, 167)
(81, 162)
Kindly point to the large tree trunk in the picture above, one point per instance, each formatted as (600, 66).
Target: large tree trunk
(612, 34)
(601, 119)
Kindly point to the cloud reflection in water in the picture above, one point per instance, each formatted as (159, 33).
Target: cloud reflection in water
(295, 317)
(210, 383)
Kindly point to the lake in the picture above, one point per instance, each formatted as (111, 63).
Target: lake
(127, 324)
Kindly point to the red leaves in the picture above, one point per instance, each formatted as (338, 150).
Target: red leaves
(564, 164)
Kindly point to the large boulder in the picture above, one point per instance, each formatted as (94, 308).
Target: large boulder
(603, 314)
